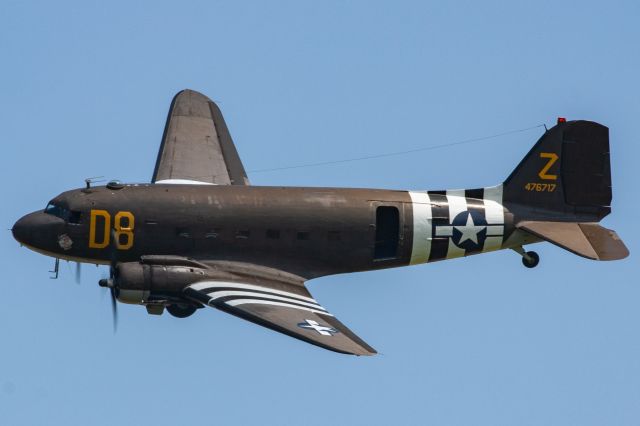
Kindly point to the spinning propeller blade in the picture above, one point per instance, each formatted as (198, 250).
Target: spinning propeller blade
(114, 309)
(78, 273)
(111, 283)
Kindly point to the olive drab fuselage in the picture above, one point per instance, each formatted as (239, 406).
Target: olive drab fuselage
(309, 232)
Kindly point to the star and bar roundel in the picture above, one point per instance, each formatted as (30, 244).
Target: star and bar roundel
(468, 230)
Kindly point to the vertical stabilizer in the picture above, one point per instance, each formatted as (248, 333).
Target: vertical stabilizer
(565, 177)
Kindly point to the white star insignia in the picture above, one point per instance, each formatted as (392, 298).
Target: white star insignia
(469, 231)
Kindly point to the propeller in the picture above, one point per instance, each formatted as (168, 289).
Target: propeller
(114, 309)
(78, 273)
(110, 283)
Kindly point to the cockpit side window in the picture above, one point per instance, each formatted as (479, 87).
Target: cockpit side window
(75, 217)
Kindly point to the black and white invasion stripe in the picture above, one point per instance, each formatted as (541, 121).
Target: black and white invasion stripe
(455, 223)
(216, 293)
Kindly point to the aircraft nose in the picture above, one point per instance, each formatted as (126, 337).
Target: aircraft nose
(34, 226)
(21, 228)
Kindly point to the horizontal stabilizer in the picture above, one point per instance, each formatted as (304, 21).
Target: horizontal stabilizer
(588, 240)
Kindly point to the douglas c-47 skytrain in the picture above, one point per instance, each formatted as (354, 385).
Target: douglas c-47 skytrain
(200, 235)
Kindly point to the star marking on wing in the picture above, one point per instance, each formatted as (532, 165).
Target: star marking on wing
(314, 325)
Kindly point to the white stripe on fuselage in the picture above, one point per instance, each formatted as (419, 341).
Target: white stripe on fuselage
(494, 213)
(457, 204)
(422, 227)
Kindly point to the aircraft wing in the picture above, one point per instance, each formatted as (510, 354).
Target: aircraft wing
(285, 308)
(196, 145)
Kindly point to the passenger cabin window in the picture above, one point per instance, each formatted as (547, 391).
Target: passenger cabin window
(242, 234)
(212, 233)
(273, 234)
(333, 236)
(387, 233)
(183, 232)
(302, 235)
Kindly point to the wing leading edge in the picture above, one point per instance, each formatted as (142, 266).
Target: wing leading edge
(196, 146)
(290, 310)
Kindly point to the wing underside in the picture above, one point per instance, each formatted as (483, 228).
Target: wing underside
(289, 310)
(196, 145)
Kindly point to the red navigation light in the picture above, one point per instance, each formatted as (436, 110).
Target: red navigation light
(562, 120)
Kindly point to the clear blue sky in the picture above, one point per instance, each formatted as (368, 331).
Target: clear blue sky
(85, 91)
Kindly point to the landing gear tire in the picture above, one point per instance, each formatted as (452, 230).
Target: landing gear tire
(179, 310)
(530, 259)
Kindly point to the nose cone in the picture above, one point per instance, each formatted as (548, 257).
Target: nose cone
(37, 229)
(21, 229)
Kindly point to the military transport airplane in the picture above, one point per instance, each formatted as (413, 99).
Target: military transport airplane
(199, 235)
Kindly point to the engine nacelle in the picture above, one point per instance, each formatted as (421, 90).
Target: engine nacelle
(134, 297)
(136, 281)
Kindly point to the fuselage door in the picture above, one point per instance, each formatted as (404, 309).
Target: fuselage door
(387, 232)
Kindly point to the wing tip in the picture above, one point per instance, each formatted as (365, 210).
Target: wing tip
(189, 95)
(368, 353)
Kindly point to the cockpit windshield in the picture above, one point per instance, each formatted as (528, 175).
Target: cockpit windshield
(57, 211)
(67, 215)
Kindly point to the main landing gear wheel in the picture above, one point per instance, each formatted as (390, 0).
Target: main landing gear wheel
(179, 310)
(530, 259)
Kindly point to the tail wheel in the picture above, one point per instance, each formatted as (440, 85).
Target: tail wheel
(530, 259)
(180, 310)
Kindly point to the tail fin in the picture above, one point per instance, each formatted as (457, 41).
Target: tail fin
(566, 176)
(562, 188)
